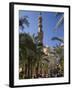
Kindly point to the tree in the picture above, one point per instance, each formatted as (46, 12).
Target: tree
(22, 50)
(59, 49)
(27, 52)
(59, 54)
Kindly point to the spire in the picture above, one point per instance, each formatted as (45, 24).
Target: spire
(40, 23)
(40, 32)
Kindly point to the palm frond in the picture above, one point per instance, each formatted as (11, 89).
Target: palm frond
(57, 14)
(59, 23)
(23, 21)
(58, 39)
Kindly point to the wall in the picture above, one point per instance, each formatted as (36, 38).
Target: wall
(4, 44)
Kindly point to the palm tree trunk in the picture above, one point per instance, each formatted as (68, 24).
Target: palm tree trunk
(29, 68)
(37, 69)
(26, 70)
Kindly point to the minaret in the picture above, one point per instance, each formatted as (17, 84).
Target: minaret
(40, 32)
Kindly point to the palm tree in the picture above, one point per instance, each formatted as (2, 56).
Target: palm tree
(27, 52)
(22, 50)
(59, 49)
(58, 53)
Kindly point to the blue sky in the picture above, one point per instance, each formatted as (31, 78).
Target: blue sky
(49, 21)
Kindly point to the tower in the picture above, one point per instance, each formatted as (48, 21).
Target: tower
(40, 32)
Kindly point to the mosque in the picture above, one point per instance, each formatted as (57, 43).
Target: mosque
(47, 64)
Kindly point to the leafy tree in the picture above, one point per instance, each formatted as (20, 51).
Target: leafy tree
(27, 51)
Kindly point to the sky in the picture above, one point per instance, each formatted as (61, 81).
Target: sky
(49, 20)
